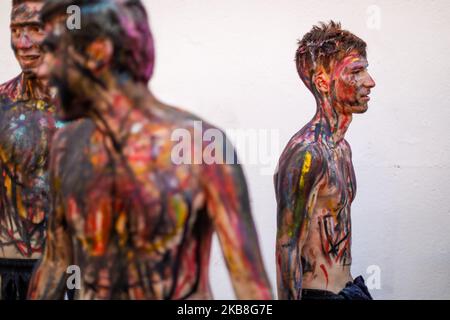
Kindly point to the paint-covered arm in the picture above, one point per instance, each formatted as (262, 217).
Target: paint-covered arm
(296, 185)
(49, 278)
(229, 209)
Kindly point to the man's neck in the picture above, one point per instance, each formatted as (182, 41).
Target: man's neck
(33, 88)
(333, 123)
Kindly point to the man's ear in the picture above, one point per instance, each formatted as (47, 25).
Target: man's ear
(99, 53)
(322, 81)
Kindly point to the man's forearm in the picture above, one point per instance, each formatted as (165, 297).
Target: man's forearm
(253, 288)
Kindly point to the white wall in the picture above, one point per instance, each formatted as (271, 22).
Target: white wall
(231, 62)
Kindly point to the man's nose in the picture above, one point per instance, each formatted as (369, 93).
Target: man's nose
(369, 83)
(24, 42)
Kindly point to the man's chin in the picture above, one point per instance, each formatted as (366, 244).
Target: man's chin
(358, 109)
(30, 68)
(30, 72)
(362, 109)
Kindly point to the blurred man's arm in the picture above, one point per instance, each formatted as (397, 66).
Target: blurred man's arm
(229, 209)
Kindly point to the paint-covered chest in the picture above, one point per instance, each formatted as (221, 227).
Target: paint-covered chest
(339, 183)
(26, 130)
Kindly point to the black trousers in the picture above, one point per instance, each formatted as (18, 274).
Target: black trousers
(15, 276)
(355, 290)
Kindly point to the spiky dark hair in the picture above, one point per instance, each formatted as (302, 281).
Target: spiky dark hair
(326, 42)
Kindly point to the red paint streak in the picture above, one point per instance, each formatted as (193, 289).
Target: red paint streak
(37, 250)
(324, 272)
(279, 261)
(341, 252)
(22, 248)
(188, 277)
(327, 257)
(325, 245)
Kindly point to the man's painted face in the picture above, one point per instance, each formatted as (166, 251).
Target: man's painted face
(26, 35)
(351, 84)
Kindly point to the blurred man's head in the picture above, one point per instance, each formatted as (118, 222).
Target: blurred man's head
(27, 34)
(123, 23)
(114, 40)
(332, 63)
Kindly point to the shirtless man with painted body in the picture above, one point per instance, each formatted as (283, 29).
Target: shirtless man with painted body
(315, 181)
(27, 125)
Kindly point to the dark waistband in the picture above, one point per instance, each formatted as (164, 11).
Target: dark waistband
(318, 294)
(17, 263)
(354, 290)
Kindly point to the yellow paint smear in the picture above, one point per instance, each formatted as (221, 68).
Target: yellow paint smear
(305, 169)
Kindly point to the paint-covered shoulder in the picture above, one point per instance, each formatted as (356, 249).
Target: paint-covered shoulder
(305, 138)
(300, 165)
(295, 154)
(178, 117)
(301, 157)
(347, 146)
(8, 94)
(9, 88)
